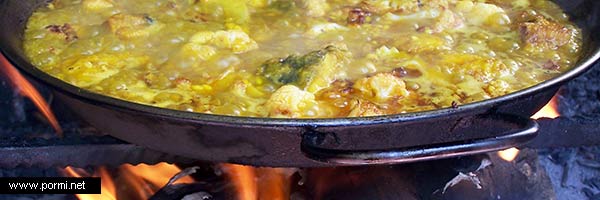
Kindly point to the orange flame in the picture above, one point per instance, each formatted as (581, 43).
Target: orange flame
(273, 184)
(548, 111)
(243, 178)
(135, 182)
(139, 189)
(259, 183)
(509, 154)
(26, 89)
(158, 174)
(108, 186)
(108, 190)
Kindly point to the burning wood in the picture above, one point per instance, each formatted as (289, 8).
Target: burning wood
(159, 174)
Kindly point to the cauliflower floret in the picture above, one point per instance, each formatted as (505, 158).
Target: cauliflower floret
(127, 85)
(483, 69)
(314, 8)
(248, 95)
(470, 87)
(447, 20)
(477, 13)
(384, 52)
(235, 40)
(198, 51)
(497, 88)
(97, 5)
(365, 109)
(290, 102)
(385, 57)
(89, 70)
(381, 87)
(133, 26)
(242, 99)
(423, 43)
(236, 11)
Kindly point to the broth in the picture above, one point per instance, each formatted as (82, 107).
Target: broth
(302, 58)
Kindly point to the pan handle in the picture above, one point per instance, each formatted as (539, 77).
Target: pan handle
(527, 130)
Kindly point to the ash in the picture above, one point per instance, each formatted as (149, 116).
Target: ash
(575, 172)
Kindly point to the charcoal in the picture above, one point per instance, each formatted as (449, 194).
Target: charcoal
(198, 196)
(579, 95)
(591, 194)
(591, 153)
(179, 191)
(31, 172)
(201, 190)
(593, 182)
(579, 101)
(561, 157)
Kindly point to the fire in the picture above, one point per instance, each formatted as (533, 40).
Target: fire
(548, 111)
(140, 189)
(274, 183)
(509, 154)
(243, 179)
(26, 89)
(259, 183)
(158, 174)
(135, 182)
(108, 186)
(108, 191)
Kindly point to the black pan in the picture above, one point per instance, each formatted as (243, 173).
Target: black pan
(468, 129)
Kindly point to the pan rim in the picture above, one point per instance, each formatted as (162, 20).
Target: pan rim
(24, 65)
